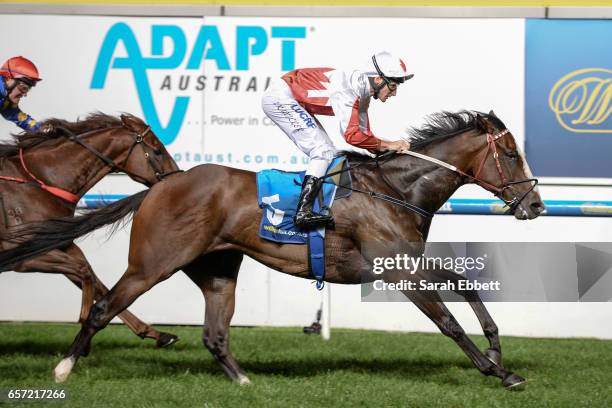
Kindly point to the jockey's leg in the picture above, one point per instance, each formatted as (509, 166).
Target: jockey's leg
(306, 132)
(321, 157)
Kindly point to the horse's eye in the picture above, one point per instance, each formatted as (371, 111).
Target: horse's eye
(513, 155)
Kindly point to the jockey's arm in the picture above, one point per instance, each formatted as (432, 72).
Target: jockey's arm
(350, 117)
(23, 120)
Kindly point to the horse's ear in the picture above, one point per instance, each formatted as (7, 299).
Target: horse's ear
(482, 123)
(125, 118)
(131, 121)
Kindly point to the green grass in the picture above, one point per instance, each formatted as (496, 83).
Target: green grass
(288, 368)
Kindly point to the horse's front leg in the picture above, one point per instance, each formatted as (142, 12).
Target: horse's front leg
(430, 303)
(75, 268)
(487, 324)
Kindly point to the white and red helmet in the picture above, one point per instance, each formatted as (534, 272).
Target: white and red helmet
(389, 67)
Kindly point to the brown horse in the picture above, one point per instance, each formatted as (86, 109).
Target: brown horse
(205, 220)
(74, 164)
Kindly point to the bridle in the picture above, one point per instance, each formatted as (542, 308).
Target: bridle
(139, 139)
(505, 184)
(512, 204)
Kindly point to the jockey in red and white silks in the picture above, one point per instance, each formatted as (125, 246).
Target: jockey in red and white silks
(292, 101)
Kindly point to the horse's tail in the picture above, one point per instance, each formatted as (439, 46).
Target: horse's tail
(38, 238)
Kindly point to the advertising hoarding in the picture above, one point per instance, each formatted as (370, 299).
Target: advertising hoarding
(568, 116)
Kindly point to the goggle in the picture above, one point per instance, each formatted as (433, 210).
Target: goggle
(23, 86)
(391, 85)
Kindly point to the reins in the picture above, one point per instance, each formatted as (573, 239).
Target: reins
(139, 139)
(380, 196)
(497, 191)
(73, 198)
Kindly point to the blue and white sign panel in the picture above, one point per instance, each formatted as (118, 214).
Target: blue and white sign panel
(568, 106)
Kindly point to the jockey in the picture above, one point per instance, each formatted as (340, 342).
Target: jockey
(292, 101)
(19, 75)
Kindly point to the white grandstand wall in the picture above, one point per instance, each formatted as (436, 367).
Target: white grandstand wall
(468, 63)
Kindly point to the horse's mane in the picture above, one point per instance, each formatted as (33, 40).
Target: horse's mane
(442, 125)
(438, 126)
(93, 121)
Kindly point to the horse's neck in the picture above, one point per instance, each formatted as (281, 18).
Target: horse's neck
(430, 185)
(69, 165)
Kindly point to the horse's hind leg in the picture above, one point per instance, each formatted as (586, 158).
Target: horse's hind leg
(136, 281)
(431, 304)
(489, 327)
(216, 275)
(137, 326)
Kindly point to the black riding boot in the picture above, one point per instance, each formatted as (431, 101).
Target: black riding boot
(305, 218)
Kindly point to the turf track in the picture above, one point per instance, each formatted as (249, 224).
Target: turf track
(288, 368)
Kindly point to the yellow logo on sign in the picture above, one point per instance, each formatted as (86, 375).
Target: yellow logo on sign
(581, 100)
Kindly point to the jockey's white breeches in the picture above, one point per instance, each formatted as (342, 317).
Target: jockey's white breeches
(280, 106)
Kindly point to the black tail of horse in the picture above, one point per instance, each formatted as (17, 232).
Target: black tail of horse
(39, 238)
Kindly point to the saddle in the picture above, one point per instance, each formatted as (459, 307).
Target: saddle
(278, 194)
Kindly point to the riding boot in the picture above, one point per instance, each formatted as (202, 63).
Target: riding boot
(305, 218)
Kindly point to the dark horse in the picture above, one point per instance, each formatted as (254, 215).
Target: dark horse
(74, 157)
(205, 220)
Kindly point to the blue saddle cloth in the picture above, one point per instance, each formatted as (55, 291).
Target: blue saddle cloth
(278, 193)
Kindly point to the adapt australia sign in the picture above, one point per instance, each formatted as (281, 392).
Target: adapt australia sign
(167, 49)
(199, 81)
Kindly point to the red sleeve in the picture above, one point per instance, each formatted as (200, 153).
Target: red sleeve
(355, 136)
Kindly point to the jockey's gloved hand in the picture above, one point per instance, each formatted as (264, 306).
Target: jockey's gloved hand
(400, 146)
(47, 128)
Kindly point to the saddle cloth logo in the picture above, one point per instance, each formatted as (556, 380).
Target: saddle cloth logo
(274, 215)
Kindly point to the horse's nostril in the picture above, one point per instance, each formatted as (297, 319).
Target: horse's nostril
(537, 207)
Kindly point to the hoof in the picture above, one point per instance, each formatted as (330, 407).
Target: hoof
(166, 339)
(63, 369)
(243, 380)
(514, 382)
(494, 356)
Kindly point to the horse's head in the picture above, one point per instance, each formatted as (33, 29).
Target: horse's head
(500, 167)
(146, 160)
